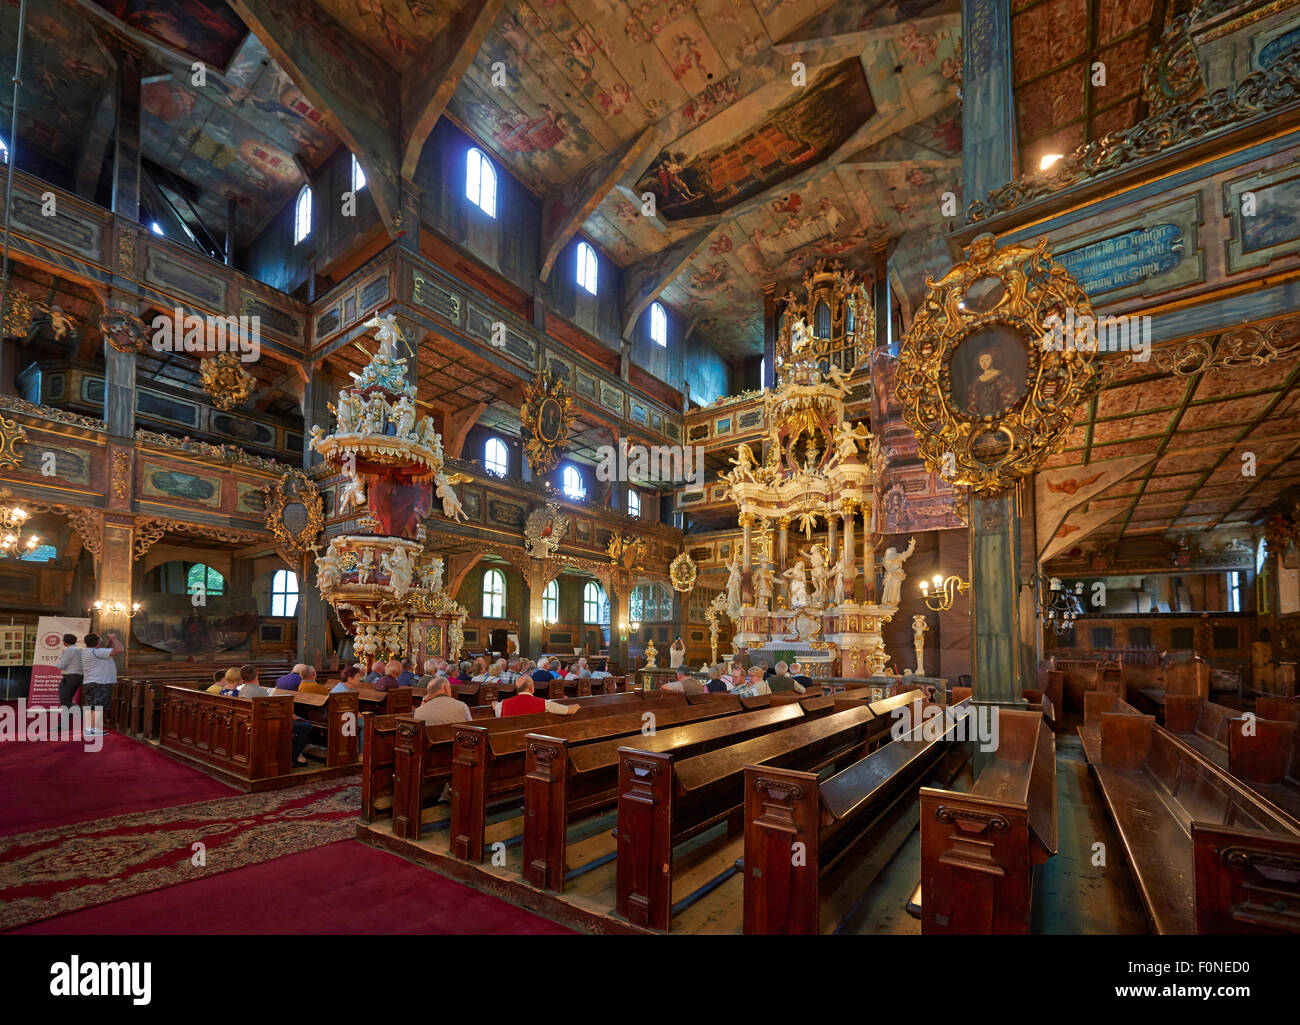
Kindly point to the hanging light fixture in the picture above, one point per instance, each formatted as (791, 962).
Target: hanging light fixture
(941, 592)
(12, 543)
(1060, 606)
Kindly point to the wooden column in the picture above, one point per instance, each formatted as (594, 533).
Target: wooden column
(995, 596)
(126, 151)
(747, 560)
(313, 612)
(989, 157)
(850, 553)
(532, 630)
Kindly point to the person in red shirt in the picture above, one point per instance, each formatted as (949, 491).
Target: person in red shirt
(525, 702)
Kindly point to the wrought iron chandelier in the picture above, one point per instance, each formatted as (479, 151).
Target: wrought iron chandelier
(1060, 606)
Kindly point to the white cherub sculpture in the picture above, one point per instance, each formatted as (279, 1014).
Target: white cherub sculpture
(348, 409)
(733, 587)
(365, 564)
(431, 575)
(919, 627)
(397, 564)
(798, 578)
(328, 571)
(353, 494)
(404, 413)
(894, 576)
(451, 505)
(377, 410)
(820, 578)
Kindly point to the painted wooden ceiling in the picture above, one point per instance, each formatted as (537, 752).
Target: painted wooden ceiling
(1226, 442)
(1062, 102)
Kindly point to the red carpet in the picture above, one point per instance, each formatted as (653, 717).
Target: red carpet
(53, 784)
(54, 871)
(345, 887)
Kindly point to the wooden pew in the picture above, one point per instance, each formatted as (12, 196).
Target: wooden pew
(979, 849)
(665, 801)
(249, 739)
(564, 781)
(377, 753)
(830, 817)
(1050, 694)
(1095, 704)
(1182, 818)
(422, 755)
(487, 766)
(338, 715)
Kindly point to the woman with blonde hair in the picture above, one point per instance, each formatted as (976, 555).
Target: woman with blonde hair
(230, 684)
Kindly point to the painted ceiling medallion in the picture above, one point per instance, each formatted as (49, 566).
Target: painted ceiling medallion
(988, 389)
(547, 419)
(226, 380)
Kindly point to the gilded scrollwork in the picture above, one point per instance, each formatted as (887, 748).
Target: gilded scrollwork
(226, 380)
(11, 436)
(983, 384)
(547, 417)
(295, 487)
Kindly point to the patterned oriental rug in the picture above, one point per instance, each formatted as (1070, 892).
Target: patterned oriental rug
(67, 868)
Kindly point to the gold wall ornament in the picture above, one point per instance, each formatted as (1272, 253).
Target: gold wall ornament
(987, 388)
(544, 529)
(682, 572)
(121, 473)
(627, 552)
(19, 315)
(547, 418)
(226, 380)
(11, 436)
(295, 513)
(124, 331)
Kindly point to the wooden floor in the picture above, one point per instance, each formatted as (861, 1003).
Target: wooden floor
(865, 895)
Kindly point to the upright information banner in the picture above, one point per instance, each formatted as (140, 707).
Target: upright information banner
(45, 662)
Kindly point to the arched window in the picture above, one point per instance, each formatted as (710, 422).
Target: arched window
(762, 374)
(358, 175)
(4, 152)
(284, 593)
(494, 594)
(481, 182)
(822, 320)
(156, 228)
(205, 580)
(587, 267)
(302, 215)
(633, 502)
(571, 484)
(495, 457)
(551, 602)
(595, 609)
(659, 325)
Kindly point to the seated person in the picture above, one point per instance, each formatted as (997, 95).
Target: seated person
(219, 681)
(717, 683)
(430, 671)
(766, 671)
(439, 706)
(685, 683)
(737, 676)
(250, 688)
(511, 674)
(525, 702)
(756, 685)
(407, 677)
(350, 681)
(291, 680)
(490, 674)
(376, 670)
(781, 682)
(309, 684)
(229, 685)
(389, 680)
(796, 670)
(543, 671)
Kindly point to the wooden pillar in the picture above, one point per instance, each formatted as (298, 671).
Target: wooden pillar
(409, 238)
(868, 560)
(313, 611)
(126, 151)
(771, 320)
(747, 559)
(114, 580)
(989, 157)
(533, 629)
(230, 231)
(995, 596)
(620, 612)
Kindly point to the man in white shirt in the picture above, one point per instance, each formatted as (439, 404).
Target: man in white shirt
(439, 706)
(70, 667)
(99, 674)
